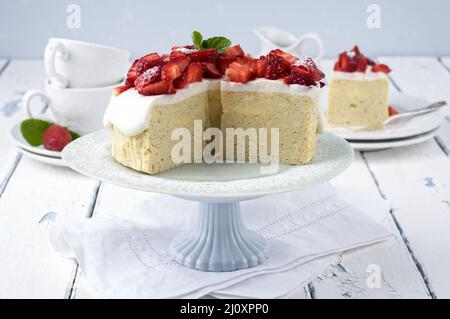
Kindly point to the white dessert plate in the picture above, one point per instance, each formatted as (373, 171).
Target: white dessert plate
(18, 139)
(384, 144)
(44, 159)
(91, 156)
(402, 103)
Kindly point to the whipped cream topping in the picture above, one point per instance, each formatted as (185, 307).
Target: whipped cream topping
(359, 76)
(130, 111)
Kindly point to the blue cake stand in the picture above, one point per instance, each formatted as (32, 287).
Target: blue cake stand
(219, 241)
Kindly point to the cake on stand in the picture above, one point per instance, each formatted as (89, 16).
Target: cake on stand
(219, 241)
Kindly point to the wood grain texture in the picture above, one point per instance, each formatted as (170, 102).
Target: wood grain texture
(347, 278)
(33, 196)
(416, 178)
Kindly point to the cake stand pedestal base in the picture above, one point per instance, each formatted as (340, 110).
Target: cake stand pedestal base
(219, 241)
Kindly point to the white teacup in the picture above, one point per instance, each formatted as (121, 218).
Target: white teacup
(76, 64)
(81, 110)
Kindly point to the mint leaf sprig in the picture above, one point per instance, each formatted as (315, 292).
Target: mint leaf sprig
(219, 43)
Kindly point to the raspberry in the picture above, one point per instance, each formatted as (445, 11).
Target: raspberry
(56, 138)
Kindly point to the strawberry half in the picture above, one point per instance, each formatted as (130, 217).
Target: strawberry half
(275, 67)
(381, 68)
(161, 87)
(211, 70)
(309, 64)
(180, 82)
(234, 51)
(239, 72)
(194, 72)
(56, 137)
(288, 58)
(208, 55)
(170, 71)
(147, 61)
(120, 89)
(301, 75)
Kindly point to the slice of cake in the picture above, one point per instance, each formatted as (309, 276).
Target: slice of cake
(358, 92)
(220, 88)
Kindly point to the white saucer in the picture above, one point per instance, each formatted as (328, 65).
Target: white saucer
(18, 139)
(402, 103)
(384, 144)
(44, 159)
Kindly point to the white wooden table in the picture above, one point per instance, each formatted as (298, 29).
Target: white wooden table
(416, 179)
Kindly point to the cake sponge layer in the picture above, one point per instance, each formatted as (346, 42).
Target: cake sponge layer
(358, 103)
(150, 150)
(294, 115)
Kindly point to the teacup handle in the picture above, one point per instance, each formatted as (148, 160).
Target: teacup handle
(316, 38)
(51, 50)
(30, 95)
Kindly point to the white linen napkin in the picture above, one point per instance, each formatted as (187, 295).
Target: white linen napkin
(127, 257)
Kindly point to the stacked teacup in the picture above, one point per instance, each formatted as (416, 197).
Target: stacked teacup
(80, 79)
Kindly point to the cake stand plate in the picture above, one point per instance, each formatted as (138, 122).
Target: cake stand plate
(219, 241)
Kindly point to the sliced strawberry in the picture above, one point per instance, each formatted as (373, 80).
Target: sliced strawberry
(165, 58)
(161, 87)
(170, 71)
(181, 81)
(258, 67)
(381, 68)
(288, 58)
(194, 72)
(234, 51)
(275, 67)
(223, 62)
(337, 66)
(211, 70)
(239, 72)
(302, 75)
(183, 48)
(181, 61)
(392, 111)
(132, 73)
(177, 54)
(152, 75)
(361, 63)
(322, 84)
(147, 61)
(208, 55)
(308, 63)
(120, 89)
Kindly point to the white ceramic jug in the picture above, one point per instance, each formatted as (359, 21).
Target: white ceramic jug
(275, 38)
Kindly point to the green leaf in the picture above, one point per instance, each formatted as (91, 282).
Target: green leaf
(197, 39)
(33, 130)
(74, 135)
(219, 43)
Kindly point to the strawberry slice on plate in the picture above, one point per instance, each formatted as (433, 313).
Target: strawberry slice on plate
(239, 72)
(161, 87)
(194, 72)
(211, 70)
(234, 51)
(170, 71)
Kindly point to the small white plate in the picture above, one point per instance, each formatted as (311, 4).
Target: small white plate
(18, 139)
(384, 144)
(402, 103)
(42, 158)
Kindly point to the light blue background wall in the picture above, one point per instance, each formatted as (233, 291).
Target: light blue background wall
(408, 27)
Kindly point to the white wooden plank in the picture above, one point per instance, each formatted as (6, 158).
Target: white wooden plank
(415, 178)
(33, 196)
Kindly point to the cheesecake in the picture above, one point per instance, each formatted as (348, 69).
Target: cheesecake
(358, 92)
(197, 88)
